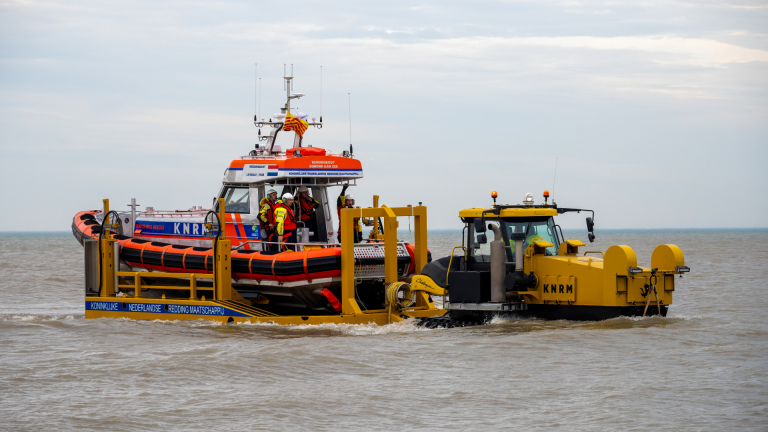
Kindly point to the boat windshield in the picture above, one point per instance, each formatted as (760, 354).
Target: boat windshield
(534, 229)
(236, 200)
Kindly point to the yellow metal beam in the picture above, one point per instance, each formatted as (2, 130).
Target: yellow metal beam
(420, 238)
(166, 275)
(375, 231)
(106, 259)
(348, 302)
(107, 267)
(390, 245)
(509, 212)
(389, 214)
(223, 251)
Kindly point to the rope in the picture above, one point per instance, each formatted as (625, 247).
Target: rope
(400, 288)
(648, 303)
(141, 254)
(162, 256)
(306, 270)
(184, 258)
(250, 261)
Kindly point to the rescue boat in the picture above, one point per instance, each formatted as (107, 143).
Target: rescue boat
(180, 241)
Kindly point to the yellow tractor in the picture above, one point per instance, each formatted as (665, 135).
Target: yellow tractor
(532, 270)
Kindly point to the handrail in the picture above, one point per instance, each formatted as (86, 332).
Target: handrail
(329, 245)
(600, 252)
(451, 261)
(278, 243)
(138, 285)
(165, 274)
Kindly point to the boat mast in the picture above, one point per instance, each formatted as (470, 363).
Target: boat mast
(288, 87)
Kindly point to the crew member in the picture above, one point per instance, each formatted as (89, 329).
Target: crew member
(348, 201)
(267, 219)
(286, 223)
(308, 206)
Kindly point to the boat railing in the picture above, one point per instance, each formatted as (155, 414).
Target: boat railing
(174, 213)
(303, 181)
(366, 242)
(252, 243)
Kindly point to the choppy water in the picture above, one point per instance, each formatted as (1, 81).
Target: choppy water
(704, 367)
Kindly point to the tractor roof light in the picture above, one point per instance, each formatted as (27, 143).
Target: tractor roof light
(634, 270)
(682, 269)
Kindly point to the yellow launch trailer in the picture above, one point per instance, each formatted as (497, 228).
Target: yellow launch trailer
(226, 305)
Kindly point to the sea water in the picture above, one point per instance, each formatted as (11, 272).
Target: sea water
(703, 367)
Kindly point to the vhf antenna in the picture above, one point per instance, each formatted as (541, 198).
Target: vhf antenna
(321, 94)
(349, 99)
(553, 181)
(256, 96)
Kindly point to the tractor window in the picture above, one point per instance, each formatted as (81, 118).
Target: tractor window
(542, 229)
(236, 200)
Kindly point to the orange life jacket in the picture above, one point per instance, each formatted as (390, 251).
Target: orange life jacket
(289, 223)
(270, 214)
(307, 208)
(356, 223)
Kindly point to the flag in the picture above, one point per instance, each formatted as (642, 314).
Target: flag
(295, 124)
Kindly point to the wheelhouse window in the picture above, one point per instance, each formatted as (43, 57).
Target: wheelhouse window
(236, 200)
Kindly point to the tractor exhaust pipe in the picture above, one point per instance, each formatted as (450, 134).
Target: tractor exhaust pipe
(498, 268)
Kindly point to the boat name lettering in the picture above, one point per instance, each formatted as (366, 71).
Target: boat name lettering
(257, 166)
(152, 227)
(554, 288)
(103, 306)
(196, 310)
(172, 228)
(324, 173)
(172, 309)
(196, 228)
(145, 307)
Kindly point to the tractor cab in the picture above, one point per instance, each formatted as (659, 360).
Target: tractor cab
(511, 225)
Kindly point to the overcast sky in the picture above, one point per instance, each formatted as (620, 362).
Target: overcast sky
(657, 110)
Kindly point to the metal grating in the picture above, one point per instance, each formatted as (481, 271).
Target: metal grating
(375, 250)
